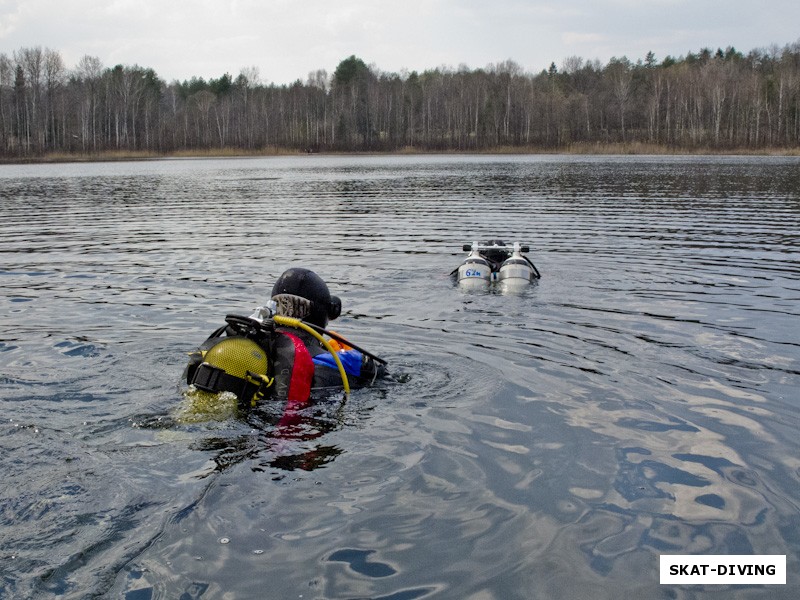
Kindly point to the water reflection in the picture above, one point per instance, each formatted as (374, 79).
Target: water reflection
(287, 442)
(640, 399)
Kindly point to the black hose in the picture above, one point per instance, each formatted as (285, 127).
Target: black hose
(343, 340)
(533, 266)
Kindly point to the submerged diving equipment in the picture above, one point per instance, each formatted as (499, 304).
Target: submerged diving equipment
(494, 262)
(262, 313)
(347, 343)
(264, 316)
(235, 357)
(298, 324)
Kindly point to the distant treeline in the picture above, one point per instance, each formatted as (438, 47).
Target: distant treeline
(715, 100)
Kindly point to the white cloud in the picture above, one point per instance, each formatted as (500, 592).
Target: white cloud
(573, 38)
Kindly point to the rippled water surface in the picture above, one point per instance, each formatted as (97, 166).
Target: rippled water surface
(640, 399)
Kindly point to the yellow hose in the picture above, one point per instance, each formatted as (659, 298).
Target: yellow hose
(298, 324)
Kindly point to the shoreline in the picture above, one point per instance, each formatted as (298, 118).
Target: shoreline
(631, 149)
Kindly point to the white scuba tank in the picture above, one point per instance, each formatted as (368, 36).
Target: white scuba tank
(475, 271)
(516, 268)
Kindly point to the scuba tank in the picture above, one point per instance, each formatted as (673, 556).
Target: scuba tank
(492, 262)
(517, 267)
(475, 272)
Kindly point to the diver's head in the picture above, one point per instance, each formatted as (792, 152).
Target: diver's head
(302, 294)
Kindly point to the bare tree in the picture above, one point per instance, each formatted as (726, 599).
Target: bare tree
(6, 81)
(54, 79)
(29, 64)
(619, 72)
(88, 74)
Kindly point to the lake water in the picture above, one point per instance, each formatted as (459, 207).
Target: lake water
(640, 399)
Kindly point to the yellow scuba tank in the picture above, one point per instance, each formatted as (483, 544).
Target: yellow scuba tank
(234, 364)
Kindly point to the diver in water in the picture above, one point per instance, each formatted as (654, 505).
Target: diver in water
(280, 351)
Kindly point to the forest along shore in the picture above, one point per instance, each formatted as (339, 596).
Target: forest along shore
(575, 149)
(714, 102)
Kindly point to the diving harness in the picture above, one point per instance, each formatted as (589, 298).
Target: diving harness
(238, 363)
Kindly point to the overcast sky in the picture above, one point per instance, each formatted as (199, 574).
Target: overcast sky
(287, 39)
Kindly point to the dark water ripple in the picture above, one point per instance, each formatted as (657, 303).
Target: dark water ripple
(639, 400)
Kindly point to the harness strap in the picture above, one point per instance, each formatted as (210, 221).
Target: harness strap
(213, 379)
